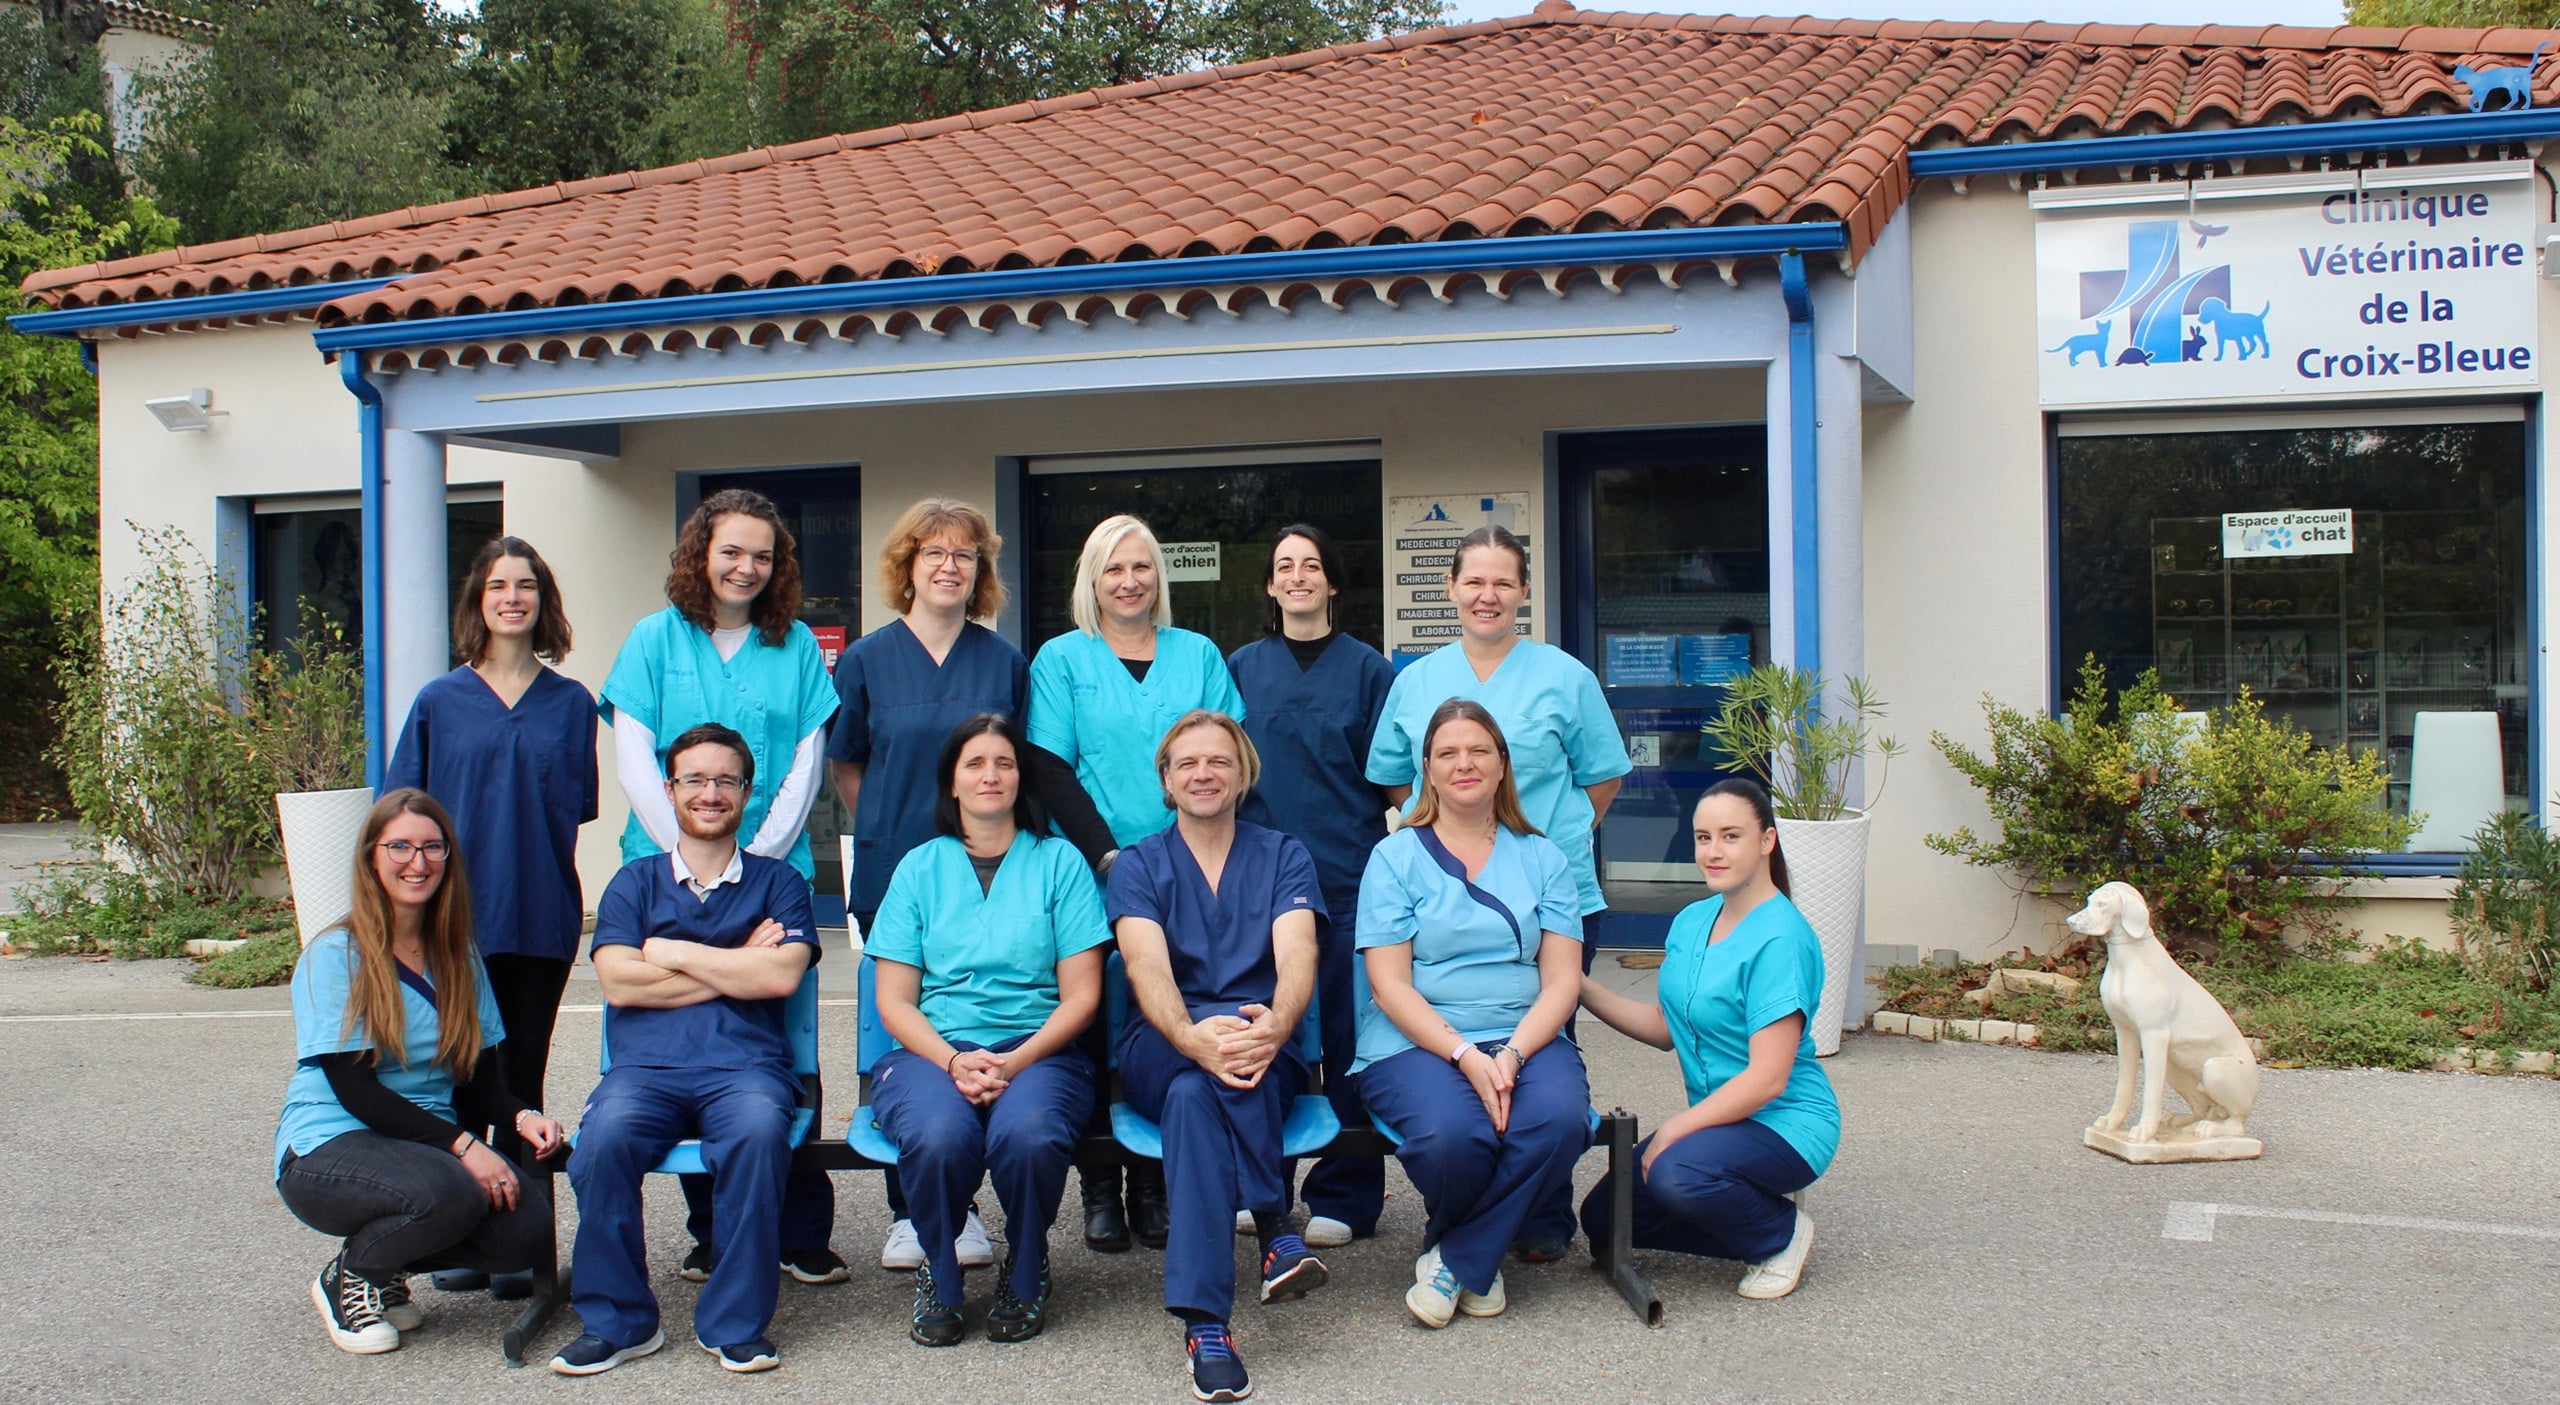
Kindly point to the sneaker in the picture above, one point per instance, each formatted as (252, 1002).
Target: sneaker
(1490, 1303)
(1217, 1373)
(591, 1355)
(1326, 1232)
(755, 1354)
(1289, 1272)
(975, 1250)
(934, 1322)
(398, 1308)
(904, 1250)
(1244, 1222)
(1540, 1251)
(1777, 1275)
(1012, 1319)
(821, 1265)
(351, 1308)
(1433, 1298)
(696, 1267)
(460, 1280)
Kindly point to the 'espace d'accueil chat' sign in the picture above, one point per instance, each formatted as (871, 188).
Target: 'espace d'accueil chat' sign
(2322, 284)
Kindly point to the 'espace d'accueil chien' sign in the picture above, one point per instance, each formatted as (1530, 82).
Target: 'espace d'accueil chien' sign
(2322, 284)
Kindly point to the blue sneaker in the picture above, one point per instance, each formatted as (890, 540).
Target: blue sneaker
(754, 1354)
(592, 1355)
(1217, 1373)
(1289, 1272)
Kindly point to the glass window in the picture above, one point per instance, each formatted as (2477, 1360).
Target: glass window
(1238, 509)
(2409, 600)
(316, 557)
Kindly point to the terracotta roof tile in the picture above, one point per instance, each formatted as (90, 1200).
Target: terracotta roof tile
(1557, 121)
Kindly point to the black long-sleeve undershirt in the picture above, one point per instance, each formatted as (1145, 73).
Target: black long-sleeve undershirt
(1070, 808)
(483, 1101)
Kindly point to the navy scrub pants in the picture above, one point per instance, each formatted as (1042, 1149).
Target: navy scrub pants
(1221, 1154)
(1478, 1185)
(1720, 1193)
(633, 1118)
(1352, 1189)
(1022, 1142)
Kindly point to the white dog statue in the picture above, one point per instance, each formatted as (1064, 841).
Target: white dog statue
(2171, 1034)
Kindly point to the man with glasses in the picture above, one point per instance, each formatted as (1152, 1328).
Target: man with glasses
(698, 952)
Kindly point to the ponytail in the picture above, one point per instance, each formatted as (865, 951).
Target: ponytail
(1757, 798)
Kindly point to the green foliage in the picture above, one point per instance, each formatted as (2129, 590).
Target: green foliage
(94, 906)
(2457, 14)
(2502, 903)
(560, 90)
(2236, 833)
(267, 960)
(1777, 724)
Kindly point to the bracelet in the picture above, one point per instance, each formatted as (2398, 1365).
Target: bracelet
(468, 1141)
(955, 1058)
(1460, 1052)
(1507, 1047)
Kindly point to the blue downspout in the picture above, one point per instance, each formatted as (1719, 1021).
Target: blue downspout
(369, 476)
(89, 356)
(1805, 481)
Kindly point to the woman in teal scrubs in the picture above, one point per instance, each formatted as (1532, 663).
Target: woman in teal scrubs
(730, 648)
(989, 950)
(1741, 977)
(1101, 699)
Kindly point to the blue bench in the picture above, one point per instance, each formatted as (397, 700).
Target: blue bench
(1310, 1127)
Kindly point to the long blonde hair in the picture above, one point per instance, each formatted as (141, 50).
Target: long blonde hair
(1506, 794)
(453, 964)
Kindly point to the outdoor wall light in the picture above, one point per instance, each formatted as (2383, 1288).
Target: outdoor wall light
(180, 414)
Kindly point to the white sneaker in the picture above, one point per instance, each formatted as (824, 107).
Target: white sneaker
(1244, 1222)
(1777, 1275)
(1326, 1232)
(398, 1308)
(975, 1251)
(903, 1251)
(1427, 1265)
(1490, 1303)
(1433, 1298)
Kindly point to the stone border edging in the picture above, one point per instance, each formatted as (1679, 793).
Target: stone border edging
(1929, 1029)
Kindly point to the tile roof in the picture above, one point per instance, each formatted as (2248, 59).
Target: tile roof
(1552, 122)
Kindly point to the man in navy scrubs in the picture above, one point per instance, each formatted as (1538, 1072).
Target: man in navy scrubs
(698, 952)
(1217, 923)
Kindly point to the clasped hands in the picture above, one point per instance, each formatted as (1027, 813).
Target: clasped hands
(1492, 1076)
(1236, 1049)
(979, 1074)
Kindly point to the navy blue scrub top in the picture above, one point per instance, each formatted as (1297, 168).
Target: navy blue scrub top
(646, 900)
(896, 709)
(1313, 728)
(1220, 942)
(518, 782)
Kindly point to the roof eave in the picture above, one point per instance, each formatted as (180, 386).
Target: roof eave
(2334, 138)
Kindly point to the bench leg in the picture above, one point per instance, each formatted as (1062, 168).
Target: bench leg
(550, 1286)
(1616, 1258)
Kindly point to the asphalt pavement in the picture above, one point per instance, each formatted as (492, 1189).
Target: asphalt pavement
(2400, 1241)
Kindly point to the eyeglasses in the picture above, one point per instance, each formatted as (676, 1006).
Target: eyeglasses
(953, 555)
(401, 850)
(726, 785)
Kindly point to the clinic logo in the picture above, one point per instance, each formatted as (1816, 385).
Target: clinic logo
(2152, 312)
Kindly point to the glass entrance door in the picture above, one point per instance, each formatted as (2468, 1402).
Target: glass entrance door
(1666, 577)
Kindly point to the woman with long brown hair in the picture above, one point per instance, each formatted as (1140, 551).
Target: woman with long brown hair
(396, 1040)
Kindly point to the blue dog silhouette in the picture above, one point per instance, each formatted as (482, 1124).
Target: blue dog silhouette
(2245, 330)
(2516, 83)
(2087, 343)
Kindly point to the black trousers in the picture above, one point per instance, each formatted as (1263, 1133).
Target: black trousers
(404, 1207)
(528, 990)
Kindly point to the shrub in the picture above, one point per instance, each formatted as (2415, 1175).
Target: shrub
(2502, 904)
(2237, 833)
(267, 960)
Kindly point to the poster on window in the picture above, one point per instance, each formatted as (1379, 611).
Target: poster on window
(2316, 286)
(1422, 535)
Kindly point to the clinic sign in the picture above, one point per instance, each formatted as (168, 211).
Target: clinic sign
(2313, 286)
(2314, 532)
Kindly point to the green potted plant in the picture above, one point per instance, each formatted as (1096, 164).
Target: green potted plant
(1787, 728)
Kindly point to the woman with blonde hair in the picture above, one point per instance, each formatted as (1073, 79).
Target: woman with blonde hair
(396, 1047)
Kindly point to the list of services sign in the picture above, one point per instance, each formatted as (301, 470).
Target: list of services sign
(2326, 285)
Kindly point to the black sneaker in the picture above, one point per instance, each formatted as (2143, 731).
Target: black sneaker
(398, 1308)
(1106, 1228)
(696, 1267)
(351, 1308)
(1150, 1218)
(745, 1358)
(460, 1280)
(1012, 1319)
(820, 1265)
(1540, 1250)
(592, 1355)
(1289, 1272)
(1217, 1373)
(934, 1323)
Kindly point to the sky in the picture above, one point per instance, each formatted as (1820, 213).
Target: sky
(2245, 12)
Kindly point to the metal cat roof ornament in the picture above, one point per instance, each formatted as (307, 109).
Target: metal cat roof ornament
(2513, 84)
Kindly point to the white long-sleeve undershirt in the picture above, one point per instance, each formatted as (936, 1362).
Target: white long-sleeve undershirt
(636, 765)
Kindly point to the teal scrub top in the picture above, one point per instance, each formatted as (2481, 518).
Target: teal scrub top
(321, 981)
(1471, 964)
(991, 965)
(1088, 711)
(670, 676)
(1716, 997)
(1554, 719)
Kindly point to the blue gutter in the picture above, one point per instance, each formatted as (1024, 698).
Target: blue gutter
(155, 312)
(1804, 498)
(369, 477)
(2331, 138)
(1347, 261)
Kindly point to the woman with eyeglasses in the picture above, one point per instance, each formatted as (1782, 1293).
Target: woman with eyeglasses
(730, 648)
(1471, 930)
(507, 744)
(398, 1056)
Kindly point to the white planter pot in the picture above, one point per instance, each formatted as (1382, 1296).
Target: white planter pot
(320, 829)
(1827, 867)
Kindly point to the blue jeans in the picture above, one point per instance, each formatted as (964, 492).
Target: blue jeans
(1479, 1185)
(1022, 1142)
(1720, 1193)
(633, 1118)
(1221, 1154)
(401, 1205)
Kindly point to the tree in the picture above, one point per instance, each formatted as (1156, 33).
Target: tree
(560, 90)
(2457, 14)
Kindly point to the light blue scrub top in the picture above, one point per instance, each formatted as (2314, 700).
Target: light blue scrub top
(1716, 997)
(1467, 961)
(670, 676)
(1553, 717)
(991, 963)
(321, 981)
(1088, 711)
